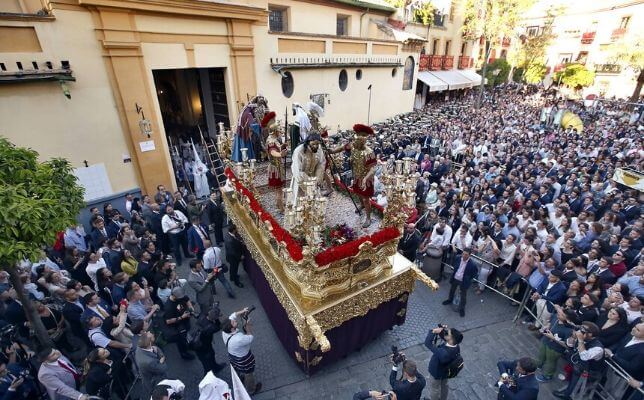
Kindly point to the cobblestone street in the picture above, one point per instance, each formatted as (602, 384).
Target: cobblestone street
(489, 334)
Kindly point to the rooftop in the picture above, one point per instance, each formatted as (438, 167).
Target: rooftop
(369, 4)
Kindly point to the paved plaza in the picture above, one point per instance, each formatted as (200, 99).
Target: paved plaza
(489, 333)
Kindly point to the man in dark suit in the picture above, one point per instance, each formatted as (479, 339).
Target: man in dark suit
(157, 228)
(628, 354)
(551, 291)
(526, 386)
(197, 235)
(99, 234)
(409, 243)
(179, 203)
(443, 355)
(632, 210)
(464, 272)
(113, 226)
(72, 311)
(443, 209)
(15, 314)
(234, 253)
(216, 217)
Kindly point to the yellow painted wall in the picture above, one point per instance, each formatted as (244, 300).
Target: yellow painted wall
(346, 108)
(87, 127)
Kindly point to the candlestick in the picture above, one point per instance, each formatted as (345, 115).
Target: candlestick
(252, 162)
(399, 166)
(407, 164)
(244, 152)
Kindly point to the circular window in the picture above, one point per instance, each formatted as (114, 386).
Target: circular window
(287, 84)
(343, 80)
(393, 72)
(358, 74)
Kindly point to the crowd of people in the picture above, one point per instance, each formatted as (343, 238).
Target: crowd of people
(506, 199)
(110, 300)
(516, 202)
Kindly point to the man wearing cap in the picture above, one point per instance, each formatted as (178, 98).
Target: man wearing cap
(363, 166)
(178, 310)
(550, 292)
(276, 149)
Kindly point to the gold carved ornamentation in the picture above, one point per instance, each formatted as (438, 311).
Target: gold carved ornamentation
(315, 361)
(403, 298)
(402, 312)
(298, 357)
(420, 275)
(318, 335)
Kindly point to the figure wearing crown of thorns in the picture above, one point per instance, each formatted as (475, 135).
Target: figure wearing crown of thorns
(276, 149)
(363, 165)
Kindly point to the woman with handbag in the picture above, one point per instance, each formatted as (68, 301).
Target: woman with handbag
(56, 326)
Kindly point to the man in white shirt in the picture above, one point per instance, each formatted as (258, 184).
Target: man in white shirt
(174, 224)
(212, 261)
(95, 263)
(238, 342)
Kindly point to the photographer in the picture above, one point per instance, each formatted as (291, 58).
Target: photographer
(518, 381)
(202, 284)
(15, 381)
(441, 363)
(375, 395)
(412, 383)
(238, 342)
(208, 325)
(587, 357)
(178, 310)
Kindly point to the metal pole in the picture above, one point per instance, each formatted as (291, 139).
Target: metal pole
(523, 303)
(369, 109)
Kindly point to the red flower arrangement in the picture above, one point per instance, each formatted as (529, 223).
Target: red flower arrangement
(350, 249)
(347, 249)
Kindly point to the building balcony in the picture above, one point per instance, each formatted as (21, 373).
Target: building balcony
(448, 62)
(588, 37)
(505, 42)
(464, 62)
(435, 63)
(423, 62)
(285, 63)
(608, 68)
(617, 33)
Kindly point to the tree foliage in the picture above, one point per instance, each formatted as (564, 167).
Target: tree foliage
(532, 49)
(38, 200)
(535, 73)
(628, 52)
(575, 76)
(503, 68)
(423, 12)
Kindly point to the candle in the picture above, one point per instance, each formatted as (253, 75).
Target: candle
(252, 163)
(298, 213)
(244, 152)
(407, 164)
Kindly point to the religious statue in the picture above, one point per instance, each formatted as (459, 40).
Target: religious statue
(363, 165)
(276, 150)
(308, 162)
(301, 127)
(248, 133)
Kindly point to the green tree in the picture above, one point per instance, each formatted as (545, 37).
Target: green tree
(39, 199)
(575, 76)
(497, 72)
(535, 73)
(493, 20)
(531, 50)
(423, 12)
(629, 53)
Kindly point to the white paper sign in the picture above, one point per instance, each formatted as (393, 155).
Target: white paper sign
(95, 181)
(147, 146)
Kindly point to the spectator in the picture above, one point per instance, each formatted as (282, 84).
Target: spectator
(59, 376)
(464, 272)
(151, 362)
(525, 385)
(178, 310)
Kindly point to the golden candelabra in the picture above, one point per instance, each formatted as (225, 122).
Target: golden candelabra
(304, 214)
(224, 142)
(400, 189)
(245, 170)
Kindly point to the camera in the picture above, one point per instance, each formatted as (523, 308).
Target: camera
(396, 356)
(247, 313)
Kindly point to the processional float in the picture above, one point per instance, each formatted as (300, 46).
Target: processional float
(323, 303)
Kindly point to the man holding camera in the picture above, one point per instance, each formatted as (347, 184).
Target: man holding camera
(178, 311)
(587, 356)
(518, 381)
(202, 284)
(238, 340)
(412, 383)
(444, 356)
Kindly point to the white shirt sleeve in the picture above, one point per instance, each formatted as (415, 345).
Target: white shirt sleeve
(166, 224)
(181, 216)
(99, 339)
(594, 353)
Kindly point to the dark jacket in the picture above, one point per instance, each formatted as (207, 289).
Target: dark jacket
(234, 249)
(408, 245)
(556, 294)
(406, 390)
(527, 388)
(470, 272)
(443, 355)
(630, 358)
(97, 238)
(98, 380)
(195, 244)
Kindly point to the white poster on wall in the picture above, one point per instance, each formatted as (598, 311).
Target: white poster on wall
(95, 181)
